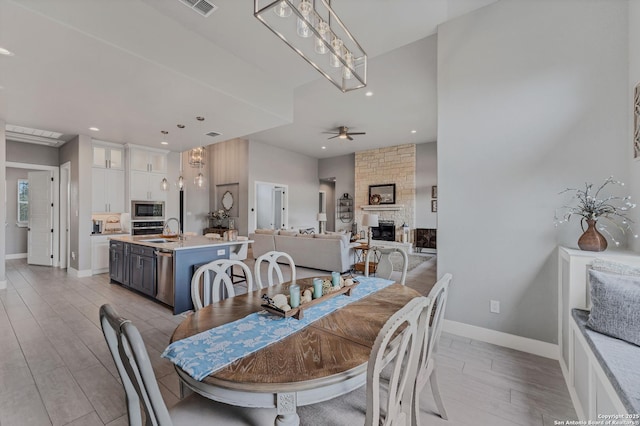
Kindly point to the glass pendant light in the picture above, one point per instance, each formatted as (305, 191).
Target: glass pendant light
(346, 71)
(199, 180)
(323, 29)
(197, 156)
(180, 183)
(282, 10)
(337, 44)
(305, 9)
(165, 184)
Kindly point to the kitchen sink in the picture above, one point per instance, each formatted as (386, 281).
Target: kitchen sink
(156, 240)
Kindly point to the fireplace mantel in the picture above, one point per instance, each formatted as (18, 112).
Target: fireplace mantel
(374, 207)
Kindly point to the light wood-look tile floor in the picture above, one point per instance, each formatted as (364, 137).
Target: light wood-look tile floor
(55, 367)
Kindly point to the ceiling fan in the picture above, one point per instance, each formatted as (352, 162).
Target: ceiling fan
(344, 133)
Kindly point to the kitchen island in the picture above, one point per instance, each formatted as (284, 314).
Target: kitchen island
(162, 267)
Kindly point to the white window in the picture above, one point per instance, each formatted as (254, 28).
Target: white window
(23, 202)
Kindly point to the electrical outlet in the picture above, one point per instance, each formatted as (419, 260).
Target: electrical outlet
(495, 306)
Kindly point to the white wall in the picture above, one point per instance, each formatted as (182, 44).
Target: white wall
(343, 169)
(532, 98)
(634, 79)
(275, 165)
(426, 177)
(196, 199)
(3, 195)
(172, 205)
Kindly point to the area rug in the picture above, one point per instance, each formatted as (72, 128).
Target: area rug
(414, 261)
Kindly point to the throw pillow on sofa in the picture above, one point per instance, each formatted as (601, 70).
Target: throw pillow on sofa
(288, 233)
(615, 299)
(615, 267)
(342, 237)
(307, 231)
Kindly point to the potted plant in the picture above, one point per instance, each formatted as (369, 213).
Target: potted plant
(598, 211)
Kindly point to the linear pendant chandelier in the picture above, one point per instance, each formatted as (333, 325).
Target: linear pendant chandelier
(314, 31)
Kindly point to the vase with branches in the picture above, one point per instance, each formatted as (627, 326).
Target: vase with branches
(218, 216)
(598, 211)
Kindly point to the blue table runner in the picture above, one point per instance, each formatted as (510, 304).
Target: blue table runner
(209, 351)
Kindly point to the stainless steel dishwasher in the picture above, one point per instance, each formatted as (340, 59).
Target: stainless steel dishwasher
(164, 275)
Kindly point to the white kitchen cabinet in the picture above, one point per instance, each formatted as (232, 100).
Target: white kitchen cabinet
(146, 186)
(146, 160)
(107, 190)
(99, 254)
(147, 168)
(108, 156)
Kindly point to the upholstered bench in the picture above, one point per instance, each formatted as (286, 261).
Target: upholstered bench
(616, 359)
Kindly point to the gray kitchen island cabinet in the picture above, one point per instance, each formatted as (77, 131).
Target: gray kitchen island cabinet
(162, 268)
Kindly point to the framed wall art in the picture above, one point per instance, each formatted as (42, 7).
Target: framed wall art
(382, 194)
(636, 122)
(434, 205)
(434, 191)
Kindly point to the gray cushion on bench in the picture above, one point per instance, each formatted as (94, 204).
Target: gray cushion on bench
(616, 301)
(619, 360)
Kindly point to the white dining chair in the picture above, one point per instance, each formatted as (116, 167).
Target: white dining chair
(273, 267)
(427, 362)
(141, 387)
(381, 402)
(211, 282)
(384, 267)
(239, 252)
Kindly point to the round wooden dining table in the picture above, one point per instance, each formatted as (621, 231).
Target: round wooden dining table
(326, 359)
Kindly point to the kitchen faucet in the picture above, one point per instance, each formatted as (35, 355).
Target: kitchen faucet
(167, 230)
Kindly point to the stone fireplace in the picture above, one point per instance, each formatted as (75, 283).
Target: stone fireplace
(385, 166)
(385, 231)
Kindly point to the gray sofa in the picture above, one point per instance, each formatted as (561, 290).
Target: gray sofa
(327, 252)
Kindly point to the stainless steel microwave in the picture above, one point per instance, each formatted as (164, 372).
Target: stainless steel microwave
(147, 210)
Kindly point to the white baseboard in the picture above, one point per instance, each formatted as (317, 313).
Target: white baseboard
(79, 274)
(3, 285)
(524, 344)
(16, 256)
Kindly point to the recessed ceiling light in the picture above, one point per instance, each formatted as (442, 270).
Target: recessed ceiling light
(413, 131)
(324, 147)
(94, 129)
(164, 143)
(369, 94)
(5, 52)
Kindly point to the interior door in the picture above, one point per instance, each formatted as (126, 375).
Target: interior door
(40, 230)
(279, 208)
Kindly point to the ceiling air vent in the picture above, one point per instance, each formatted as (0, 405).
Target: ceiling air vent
(30, 135)
(213, 134)
(203, 7)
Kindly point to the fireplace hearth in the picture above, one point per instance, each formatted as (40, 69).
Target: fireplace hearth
(385, 231)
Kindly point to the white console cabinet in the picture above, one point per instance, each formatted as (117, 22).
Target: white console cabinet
(590, 389)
